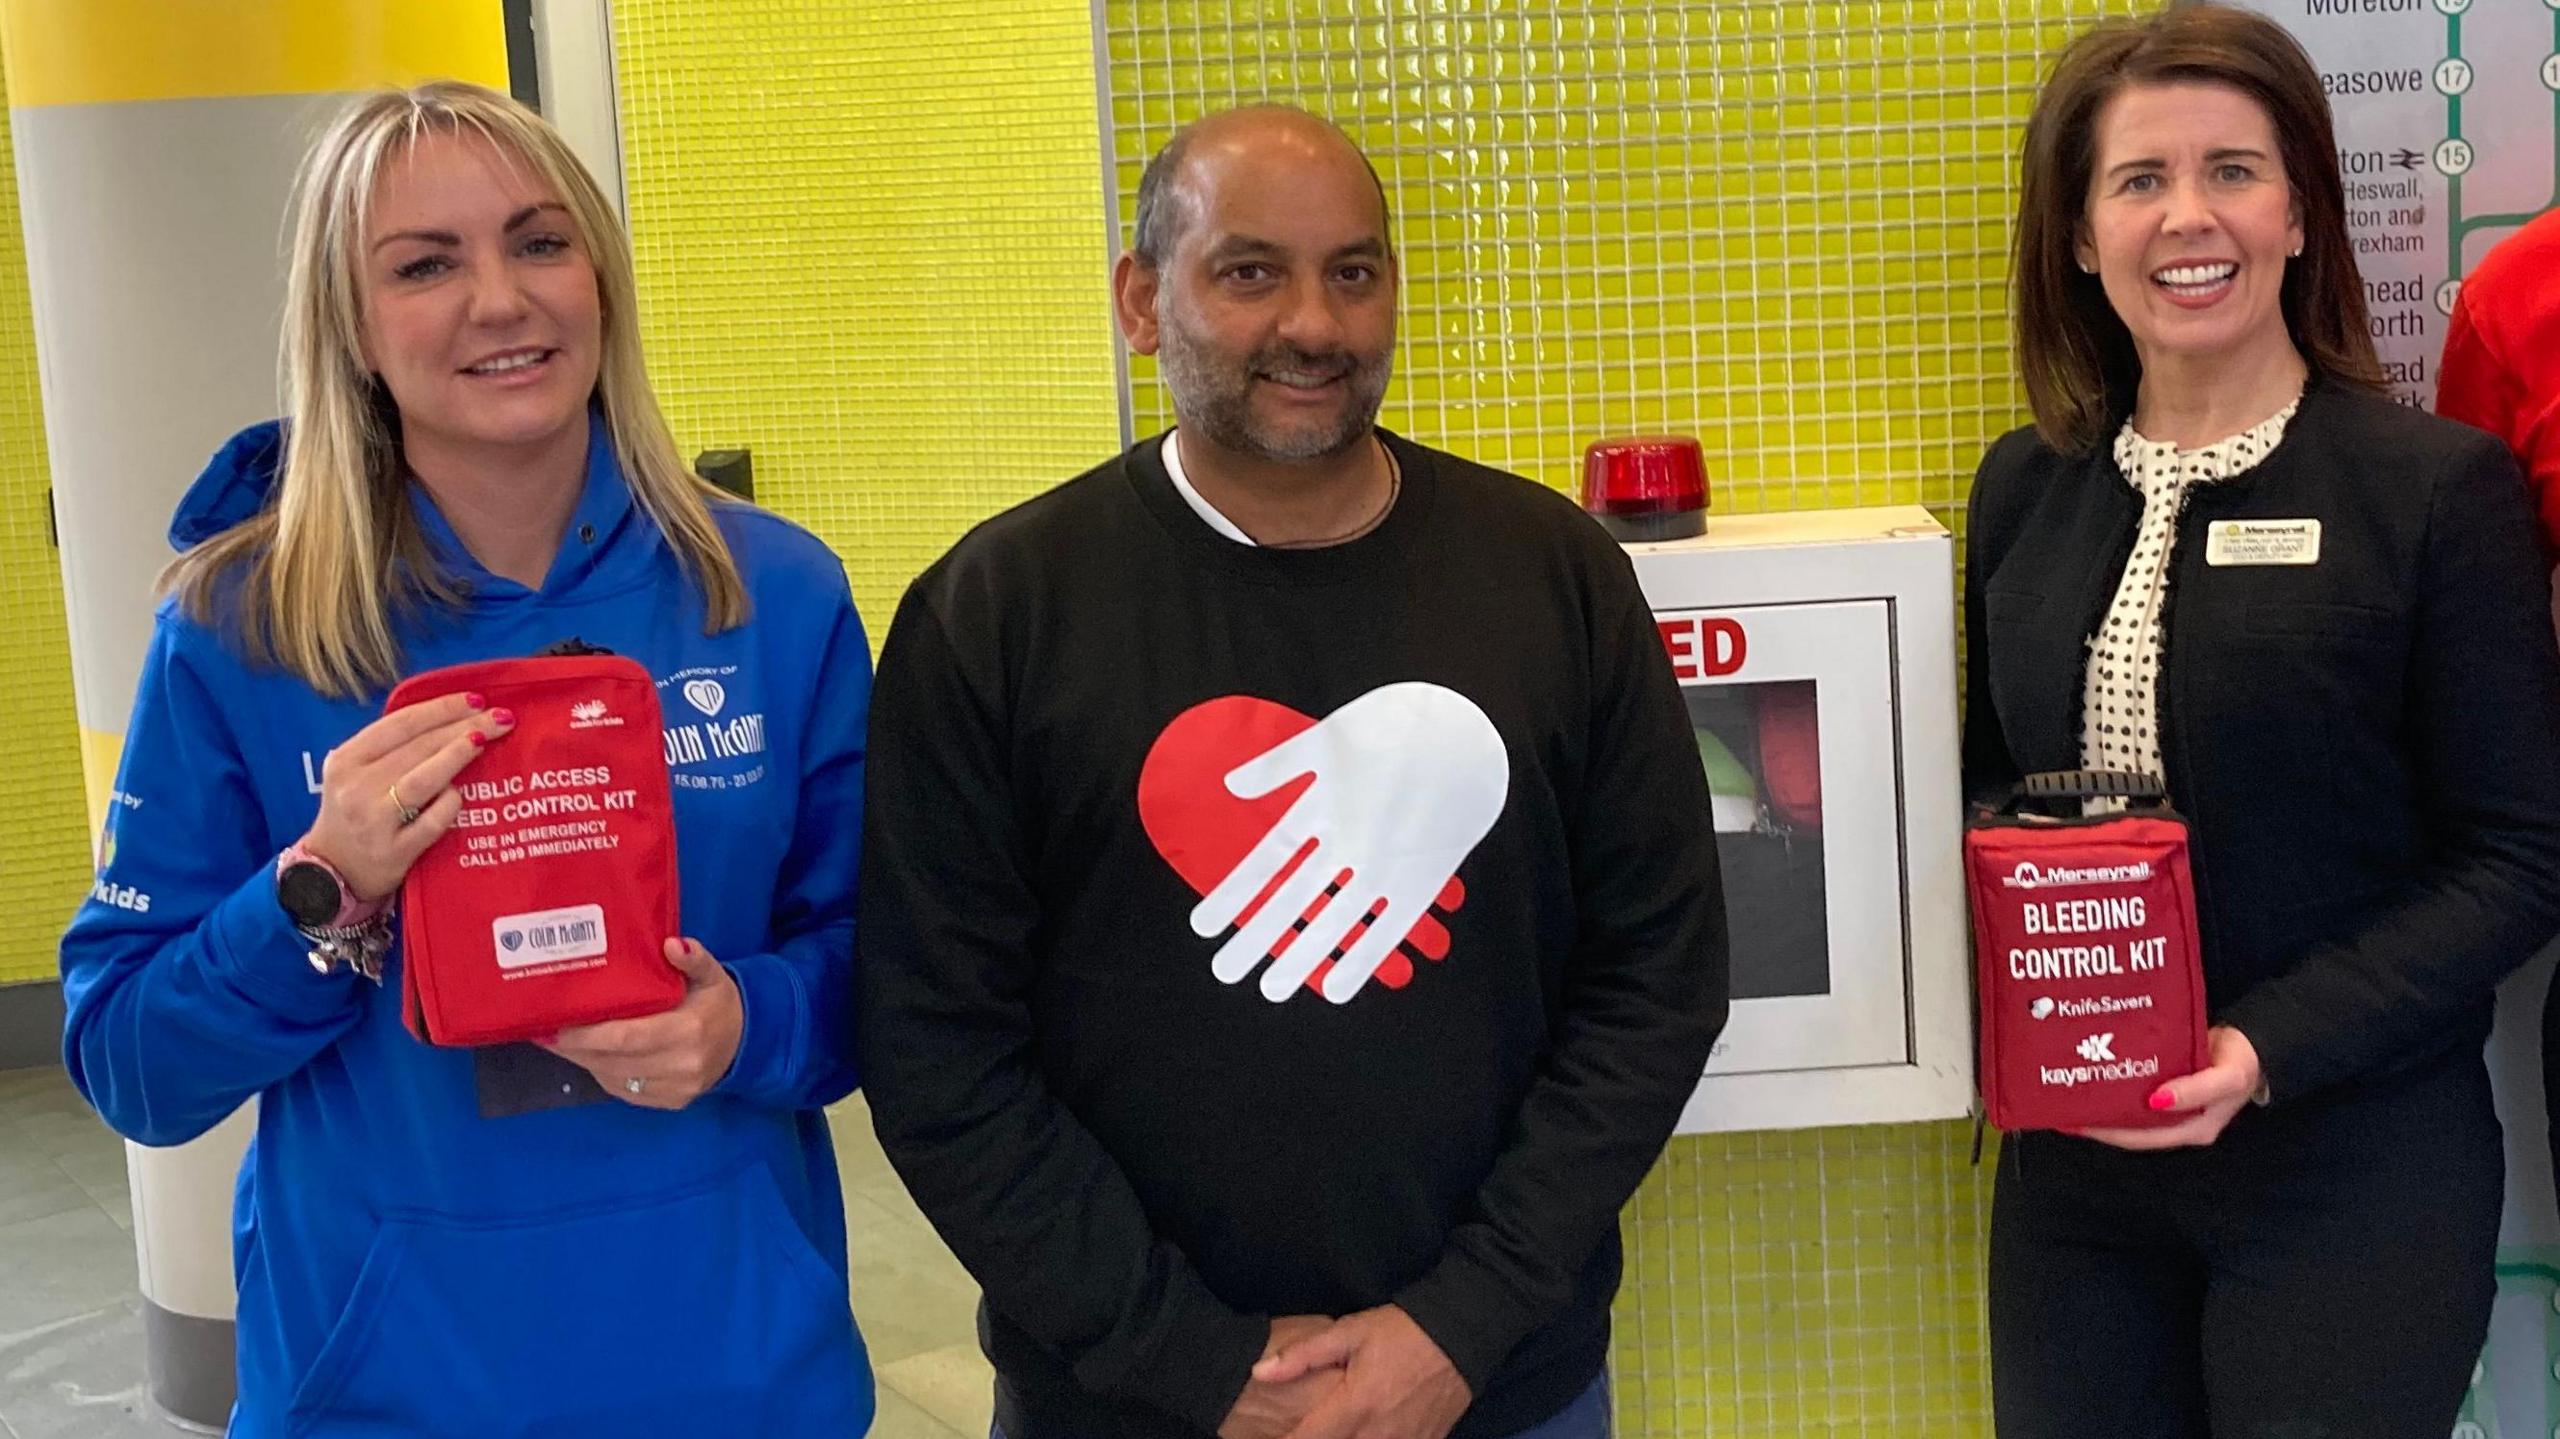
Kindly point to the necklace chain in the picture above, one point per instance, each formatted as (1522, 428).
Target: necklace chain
(1395, 487)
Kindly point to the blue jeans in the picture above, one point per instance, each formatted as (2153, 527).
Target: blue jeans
(1586, 1417)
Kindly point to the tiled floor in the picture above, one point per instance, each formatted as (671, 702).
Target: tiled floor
(71, 1361)
(918, 1308)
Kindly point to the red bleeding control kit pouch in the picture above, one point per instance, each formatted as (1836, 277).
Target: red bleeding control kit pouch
(546, 904)
(2086, 959)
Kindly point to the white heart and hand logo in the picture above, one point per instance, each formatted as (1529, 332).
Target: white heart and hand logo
(706, 696)
(1386, 797)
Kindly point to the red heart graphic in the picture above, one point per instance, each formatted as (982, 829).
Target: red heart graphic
(1204, 831)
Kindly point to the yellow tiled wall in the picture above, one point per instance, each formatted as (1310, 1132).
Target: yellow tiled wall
(870, 237)
(873, 247)
(44, 827)
(1778, 225)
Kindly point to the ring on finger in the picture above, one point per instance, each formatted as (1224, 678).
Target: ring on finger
(408, 811)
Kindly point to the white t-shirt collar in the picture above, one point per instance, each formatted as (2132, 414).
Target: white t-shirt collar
(1191, 496)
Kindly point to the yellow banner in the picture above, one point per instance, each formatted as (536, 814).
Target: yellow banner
(87, 52)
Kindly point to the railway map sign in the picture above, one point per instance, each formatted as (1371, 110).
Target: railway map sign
(2446, 113)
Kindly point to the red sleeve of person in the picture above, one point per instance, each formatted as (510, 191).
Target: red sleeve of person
(2501, 368)
(546, 905)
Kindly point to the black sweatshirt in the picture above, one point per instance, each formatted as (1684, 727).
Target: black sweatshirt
(1098, 728)
(2365, 745)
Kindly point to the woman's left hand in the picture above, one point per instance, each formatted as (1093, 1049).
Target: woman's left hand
(2212, 1094)
(665, 1061)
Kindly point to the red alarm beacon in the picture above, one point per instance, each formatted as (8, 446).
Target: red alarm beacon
(1647, 488)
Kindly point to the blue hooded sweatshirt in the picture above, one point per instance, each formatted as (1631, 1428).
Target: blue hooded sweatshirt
(405, 1265)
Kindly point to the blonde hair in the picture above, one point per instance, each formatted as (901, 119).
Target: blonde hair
(314, 582)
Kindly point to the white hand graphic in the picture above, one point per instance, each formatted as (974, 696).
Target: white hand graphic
(1406, 779)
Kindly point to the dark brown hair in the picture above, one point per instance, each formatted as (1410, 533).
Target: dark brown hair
(2075, 355)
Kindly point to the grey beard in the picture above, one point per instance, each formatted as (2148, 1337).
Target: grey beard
(1218, 404)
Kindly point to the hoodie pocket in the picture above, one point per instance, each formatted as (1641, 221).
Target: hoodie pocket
(703, 1312)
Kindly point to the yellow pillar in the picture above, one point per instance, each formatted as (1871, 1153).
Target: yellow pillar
(156, 141)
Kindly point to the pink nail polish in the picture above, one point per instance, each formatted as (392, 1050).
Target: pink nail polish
(503, 716)
(2162, 1099)
(476, 700)
(479, 740)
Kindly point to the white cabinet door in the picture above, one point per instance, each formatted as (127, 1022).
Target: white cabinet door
(1795, 706)
(1816, 653)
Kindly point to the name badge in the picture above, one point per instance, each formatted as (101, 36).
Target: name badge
(2262, 542)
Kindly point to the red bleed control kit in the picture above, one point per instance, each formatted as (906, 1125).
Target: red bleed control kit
(2089, 974)
(547, 903)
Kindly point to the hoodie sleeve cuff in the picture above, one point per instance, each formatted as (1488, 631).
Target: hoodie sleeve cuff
(268, 961)
(1470, 1314)
(774, 1019)
(1203, 1388)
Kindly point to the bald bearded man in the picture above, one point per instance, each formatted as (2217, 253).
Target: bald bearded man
(1290, 913)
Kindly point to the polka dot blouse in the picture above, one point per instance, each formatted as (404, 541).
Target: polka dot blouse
(2119, 691)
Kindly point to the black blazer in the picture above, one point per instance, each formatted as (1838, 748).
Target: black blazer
(2368, 747)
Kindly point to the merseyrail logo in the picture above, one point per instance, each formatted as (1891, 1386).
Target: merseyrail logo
(2029, 875)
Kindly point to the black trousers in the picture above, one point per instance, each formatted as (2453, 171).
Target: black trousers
(2325, 1271)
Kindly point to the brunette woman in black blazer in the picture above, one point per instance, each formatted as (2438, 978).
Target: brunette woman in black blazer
(2358, 708)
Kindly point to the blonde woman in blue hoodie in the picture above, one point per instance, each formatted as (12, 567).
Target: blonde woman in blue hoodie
(637, 1229)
